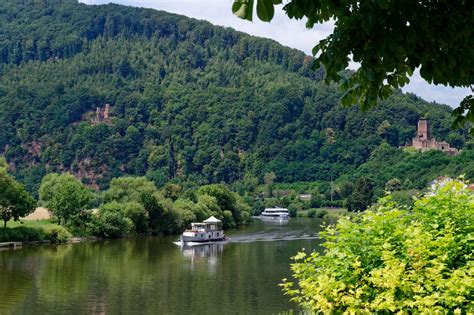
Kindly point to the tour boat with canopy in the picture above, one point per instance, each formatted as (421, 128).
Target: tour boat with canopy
(209, 230)
(275, 214)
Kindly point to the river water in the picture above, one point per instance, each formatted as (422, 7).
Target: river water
(154, 276)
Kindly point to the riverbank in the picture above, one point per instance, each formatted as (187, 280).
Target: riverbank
(323, 213)
(29, 232)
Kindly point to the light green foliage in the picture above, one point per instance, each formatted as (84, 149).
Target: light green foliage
(390, 260)
(225, 199)
(15, 202)
(228, 219)
(184, 210)
(64, 195)
(138, 215)
(125, 189)
(207, 206)
(110, 222)
(389, 40)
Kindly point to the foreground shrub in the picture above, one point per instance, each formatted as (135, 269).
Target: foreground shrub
(390, 260)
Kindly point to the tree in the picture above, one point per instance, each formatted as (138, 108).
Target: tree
(138, 215)
(393, 184)
(15, 202)
(269, 179)
(390, 39)
(125, 189)
(392, 260)
(64, 195)
(361, 198)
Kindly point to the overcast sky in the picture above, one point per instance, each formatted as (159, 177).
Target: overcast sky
(288, 32)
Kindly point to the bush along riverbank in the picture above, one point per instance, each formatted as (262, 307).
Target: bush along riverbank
(132, 206)
(35, 235)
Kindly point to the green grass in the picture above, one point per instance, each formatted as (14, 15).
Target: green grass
(45, 224)
(331, 212)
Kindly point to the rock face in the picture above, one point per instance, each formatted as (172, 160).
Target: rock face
(424, 142)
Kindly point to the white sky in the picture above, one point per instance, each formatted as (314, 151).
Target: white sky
(288, 32)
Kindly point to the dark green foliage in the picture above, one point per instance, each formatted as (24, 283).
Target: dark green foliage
(22, 234)
(293, 209)
(320, 213)
(54, 235)
(190, 101)
(15, 202)
(138, 215)
(361, 198)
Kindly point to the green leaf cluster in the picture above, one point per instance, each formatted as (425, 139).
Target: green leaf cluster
(391, 260)
(390, 39)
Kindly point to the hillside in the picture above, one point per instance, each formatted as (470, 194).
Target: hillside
(188, 100)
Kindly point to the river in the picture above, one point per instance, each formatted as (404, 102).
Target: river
(154, 276)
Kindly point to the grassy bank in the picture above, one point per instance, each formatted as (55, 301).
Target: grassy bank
(324, 212)
(34, 231)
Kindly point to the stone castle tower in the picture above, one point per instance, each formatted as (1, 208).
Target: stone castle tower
(424, 142)
(101, 115)
(423, 129)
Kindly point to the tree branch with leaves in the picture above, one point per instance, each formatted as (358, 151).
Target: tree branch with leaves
(389, 39)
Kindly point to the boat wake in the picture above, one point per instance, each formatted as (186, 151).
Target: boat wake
(271, 238)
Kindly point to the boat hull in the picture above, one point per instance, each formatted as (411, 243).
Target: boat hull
(187, 239)
(267, 218)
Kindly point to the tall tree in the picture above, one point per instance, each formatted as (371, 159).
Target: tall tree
(269, 179)
(64, 195)
(361, 198)
(15, 202)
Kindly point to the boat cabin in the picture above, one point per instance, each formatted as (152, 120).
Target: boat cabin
(208, 230)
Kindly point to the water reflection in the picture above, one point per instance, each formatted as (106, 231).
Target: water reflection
(208, 254)
(153, 275)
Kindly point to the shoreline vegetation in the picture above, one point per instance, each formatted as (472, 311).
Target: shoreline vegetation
(393, 258)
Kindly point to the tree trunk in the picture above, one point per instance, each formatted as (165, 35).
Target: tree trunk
(4, 224)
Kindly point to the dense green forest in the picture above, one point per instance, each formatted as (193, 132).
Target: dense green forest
(190, 102)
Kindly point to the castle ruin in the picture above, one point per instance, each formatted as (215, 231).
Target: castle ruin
(101, 115)
(424, 142)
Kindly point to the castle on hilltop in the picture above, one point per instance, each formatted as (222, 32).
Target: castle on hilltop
(101, 115)
(424, 142)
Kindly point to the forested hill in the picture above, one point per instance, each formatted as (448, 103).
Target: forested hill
(187, 100)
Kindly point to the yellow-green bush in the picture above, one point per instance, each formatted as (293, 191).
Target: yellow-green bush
(391, 260)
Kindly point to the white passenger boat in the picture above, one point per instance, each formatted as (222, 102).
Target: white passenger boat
(279, 214)
(203, 232)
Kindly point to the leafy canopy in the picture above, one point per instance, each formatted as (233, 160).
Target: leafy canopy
(392, 260)
(64, 195)
(390, 39)
(15, 202)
